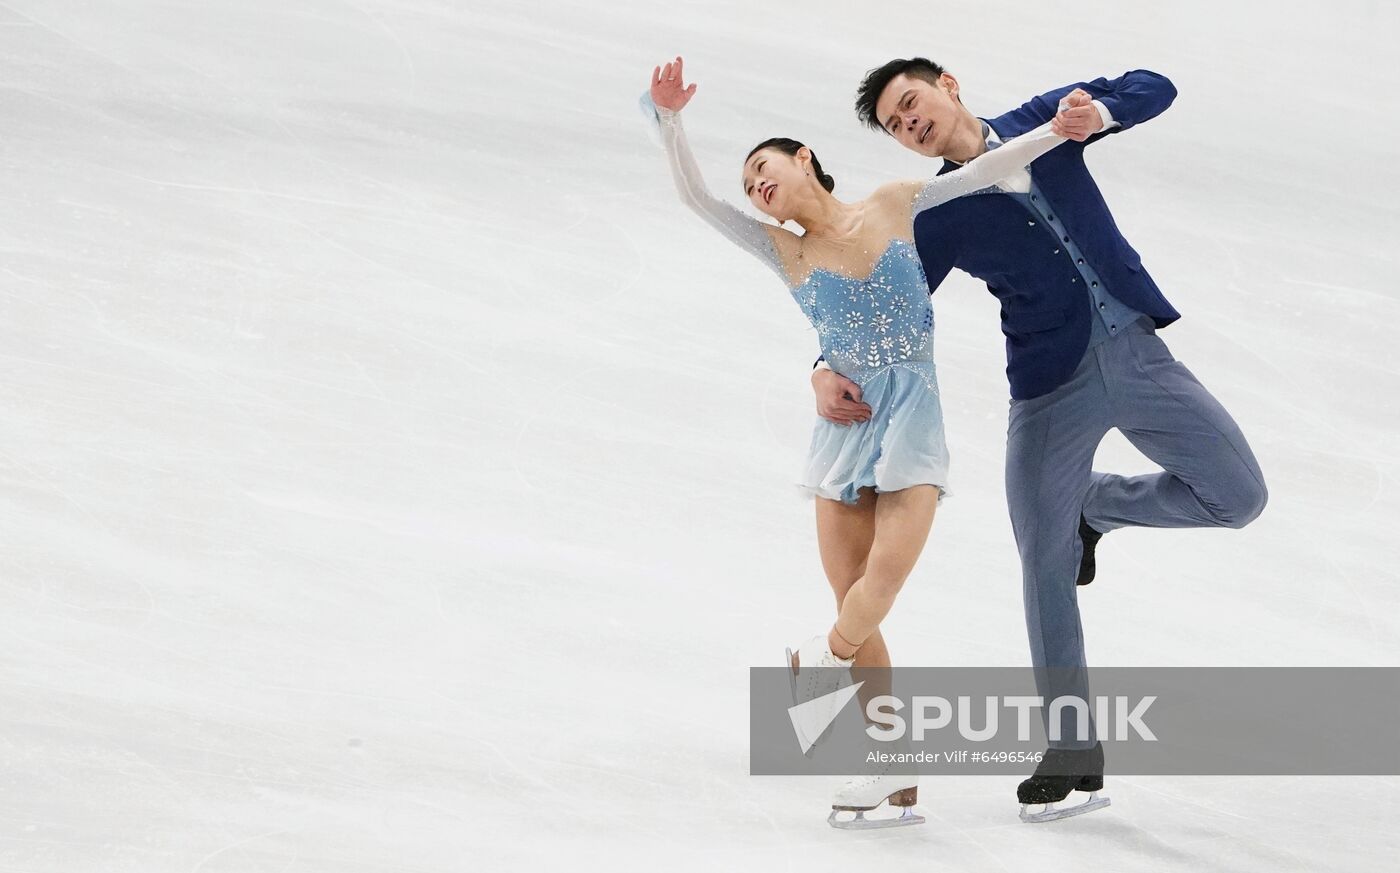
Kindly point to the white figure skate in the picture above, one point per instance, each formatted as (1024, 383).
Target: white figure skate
(815, 674)
(865, 793)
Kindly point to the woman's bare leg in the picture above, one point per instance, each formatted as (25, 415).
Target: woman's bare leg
(902, 520)
(844, 536)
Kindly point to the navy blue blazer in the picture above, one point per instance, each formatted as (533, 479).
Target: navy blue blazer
(1044, 312)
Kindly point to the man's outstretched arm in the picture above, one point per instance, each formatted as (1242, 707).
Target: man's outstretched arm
(1133, 97)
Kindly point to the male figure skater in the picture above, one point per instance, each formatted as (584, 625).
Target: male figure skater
(1080, 316)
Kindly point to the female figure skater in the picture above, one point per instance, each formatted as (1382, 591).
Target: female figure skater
(856, 275)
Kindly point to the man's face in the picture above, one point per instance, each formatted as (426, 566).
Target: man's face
(921, 115)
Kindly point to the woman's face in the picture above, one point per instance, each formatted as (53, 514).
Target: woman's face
(772, 180)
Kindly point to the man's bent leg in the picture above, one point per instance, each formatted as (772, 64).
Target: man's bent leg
(1212, 478)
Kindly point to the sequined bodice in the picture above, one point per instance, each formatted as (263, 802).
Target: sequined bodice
(866, 325)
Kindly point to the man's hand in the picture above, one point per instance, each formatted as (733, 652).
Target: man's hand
(838, 398)
(1079, 118)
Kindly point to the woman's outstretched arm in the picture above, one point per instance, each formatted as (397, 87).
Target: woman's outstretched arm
(987, 169)
(667, 96)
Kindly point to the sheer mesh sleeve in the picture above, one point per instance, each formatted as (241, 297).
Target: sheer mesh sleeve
(748, 233)
(987, 169)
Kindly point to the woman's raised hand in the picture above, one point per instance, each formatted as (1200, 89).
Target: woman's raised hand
(668, 89)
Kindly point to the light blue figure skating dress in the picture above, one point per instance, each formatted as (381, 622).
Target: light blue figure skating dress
(876, 330)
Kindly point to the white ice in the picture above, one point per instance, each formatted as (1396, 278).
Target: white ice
(395, 476)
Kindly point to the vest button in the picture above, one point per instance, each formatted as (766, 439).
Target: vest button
(1030, 224)
(1094, 284)
(1101, 304)
(1080, 261)
(1055, 252)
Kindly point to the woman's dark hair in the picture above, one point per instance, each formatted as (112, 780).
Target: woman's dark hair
(790, 147)
(875, 82)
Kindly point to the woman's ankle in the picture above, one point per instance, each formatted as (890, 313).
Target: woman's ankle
(840, 646)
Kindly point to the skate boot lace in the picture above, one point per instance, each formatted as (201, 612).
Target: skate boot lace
(869, 779)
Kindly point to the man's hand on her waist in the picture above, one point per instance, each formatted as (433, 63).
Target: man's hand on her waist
(838, 398)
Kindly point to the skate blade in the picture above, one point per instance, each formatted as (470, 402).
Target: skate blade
(861, 823)
(1050, 813)
(802, 738)
(792, 677)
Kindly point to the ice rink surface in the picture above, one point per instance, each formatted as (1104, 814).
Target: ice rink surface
(395, 476)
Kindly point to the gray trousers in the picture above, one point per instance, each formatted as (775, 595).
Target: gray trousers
(1210, 479)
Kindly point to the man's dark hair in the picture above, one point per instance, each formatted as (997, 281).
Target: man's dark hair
(875, 81)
